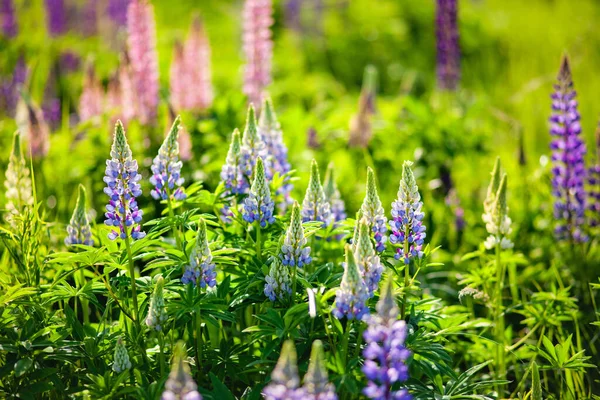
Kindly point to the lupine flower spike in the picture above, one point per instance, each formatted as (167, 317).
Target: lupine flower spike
(315, 206)
(316, 380)
(367, 259)
(201, 269)
(92, 96)
(56, 16)
(32, 124)
(259, 206)
(338, 208)
(361, 130)
(121, 360)
(157, 314)
(488, 203)
(180, 385)
(499, 224)
(373, 211)
(166, 168)
(19, 192)
(408, 231)
(79, 230)
(258, 48)
(197, 53)
(359, 217)
(448, 50)
(122, 187)
(568, 172)
(8, 21)
(231, 175)
(351, 297)
(284, 378)
(294, 251)
(594, 182)
(278, 284)
(253, 147)
(385, 354)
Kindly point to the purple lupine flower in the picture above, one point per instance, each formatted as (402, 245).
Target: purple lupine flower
(453, 202)
(285, 381)
(32, 124)
(56, 16)
(568, 172)
(374, 213)
(123, 186)
(361, 129)
(180, 385)
(89, 18)
(408, 231)
(366, 258)
(259, 206)
(231, 173)
(51, 106)
(79, 230)
(351, 297)
(278, 284)
(253, 147)
(316, 380)
(92, 95)
(312, 139)
(338, 208)
(258, 48)
(385, 354)
(8, 19)
(69, 61)
(448, 49)
(294, 251)
(10, 87)
(293, 10)
(594, 183)
(201, 269)
(117, 10)
(315, 206)
(166, 168)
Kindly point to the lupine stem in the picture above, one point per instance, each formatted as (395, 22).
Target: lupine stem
(136, 311)
(172, 216)
(199, 343)
(161, 354)
(258, 241)
(499, 320)
(406, 274)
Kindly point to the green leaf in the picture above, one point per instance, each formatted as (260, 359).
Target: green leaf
(22, 366)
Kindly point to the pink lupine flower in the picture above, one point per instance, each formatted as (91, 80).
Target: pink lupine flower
(33, 127)
(258, 48)
(179, 79)
(129, 98)
(197, 59)
(90, 102)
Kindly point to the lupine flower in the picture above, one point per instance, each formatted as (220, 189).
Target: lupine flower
(129, 99)
(141, 45)
(180, 385)
(499, 224)
(407, 226)
(259, 206)
(157, 314)
(179, 83)
(121, 361)
(312, 139)
(258, 48)
(490, 198)
(79, 230)
(201, 269)
(8, 19)
(294, 251)
(33, 127)
(166, 168)
(351, 297)
(316, 380)
(367, 259)
(253, 147)
(315, 206)
(361, 130)
(184, 139)
(338, 208)
(293, 10)
(354, 241)
(285, 382)
(19, 192)
(56, 17)
(453, 202)
(197, 59)
(89, 18)
(231, 173)
(568, 172)
(92, 96)
(10, 87)
(69, 61)
(448, 49)
(51, 105)
(113, 98)
(117, 10)
(123, 186)
(373, 211)
(594, 182)
(385, 354)
(278, 284)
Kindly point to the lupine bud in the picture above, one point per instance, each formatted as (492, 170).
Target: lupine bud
(33, 127)
(258, 48)
(79, 230)
(568, 172)
(8, 19)
(121, 361)
(367, 259)
(56, 16)
(499, 224)
(180, 385)
(373, 211)
(166, 168)
(253, 147)
(361, 130)
(359, 217)
(488, 203)
(201, 269)
(338, 208)
(408, 231)
(259, 206)
(157, 314)
(594, 182)
(19, 192)
(351, 297)
(284, 378)
(385, 354)
(123, 186)
(315, 206)
(316, 380)
(448, 49)
(294, 251)
(278, 281)
(197, 61)
(92, 96)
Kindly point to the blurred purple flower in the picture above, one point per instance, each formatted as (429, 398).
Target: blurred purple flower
(8, 19)
(10, 87)
(594, 183)
(117, 10)
(448, 49)
(56, 16)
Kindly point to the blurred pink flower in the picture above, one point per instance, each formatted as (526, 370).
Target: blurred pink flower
(258, 48)
(90, 102)
(33, 127)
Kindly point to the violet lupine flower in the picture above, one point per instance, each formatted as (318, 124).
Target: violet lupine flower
(315, 206)
(294, 251)
(253, 147)
(180, 385)
(351, 297)
(91, 101)
(285, 381)
(201, 269)
(338, 208)
(594, 183)
(19, 189)
(121, 359)
(56, 17)
(89, 18)
(157, 313)
(258, 48)
(8, 19)
(361, 129)
(184, 139)
(453, 201)
(385, 354)
(312, 139)
(316, 379)
(32, 124)
(499, 224)
(374, 213)
(408, 231)
(166, 168)
(448, 49)
(278, 283)
(117, 10)
(197, 60)
(231, 173)
(10, 87)
(141, 45)
(123, 186)
(79, 230)
(367, 259)
(568, 159)
(69, 61)
(259, 206)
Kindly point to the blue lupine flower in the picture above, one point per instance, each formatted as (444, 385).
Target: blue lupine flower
(315, 206)
(284, 378)
(259, 206)
(278, 281)
(201, 269)
(123, 186)
(351, 297)
(338, 208)
(294, 251)
(253, 147)
(373, 212)
(367, 259)
(180, 385)
(316, 380)
(231, 173)
(166, 168)
(79, 230)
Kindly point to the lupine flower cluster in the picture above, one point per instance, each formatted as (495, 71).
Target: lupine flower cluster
(79, 230)
(259, 206)
(316, 379)
(180, 385)
(285, 382)
(201, 269)
(315, 206)
(33, 127)
(123, 186)
(408, 231)
(166, 168)
(278, 284)
(128, 95)
(385, 354)
(157, 314)
(56, 17)
(367, 259)
(568, 159)
(448, 49)
(490, 198)
(253, 147)
(9, 87)
(361, 130)
(91, 101)
(338, 208)
(121, 360)
(19, 192)
(294, 251)
(8, 19)
(231, 174)
(498, 223)
(373, 212)
(351, 297)
(594, 183)
(258, 48)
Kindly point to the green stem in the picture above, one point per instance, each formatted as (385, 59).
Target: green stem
(345, 341)
(499, 321)
(199, 339)
(161, 354)
(258, 242)
(136, 311)
(294, 273)
(406, 274)
(172, 216)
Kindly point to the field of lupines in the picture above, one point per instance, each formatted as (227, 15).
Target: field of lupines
(299, 199)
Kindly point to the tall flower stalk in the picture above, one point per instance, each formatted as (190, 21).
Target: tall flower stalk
(316, 380)
(285, 382)
(448, 49)
(19, 190)
(121, 359)
(258, 48)
(253, 147)
(594, 186)
(332, 193)
(367, 259)
(79, 230)
(315, 206)
(180, 385)
(278, 283)
(201, 269)
(56, 17)
(361, 129)
(373, 212)
(294, 251)
(351, 297)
